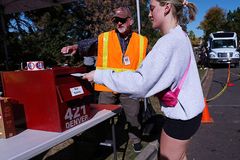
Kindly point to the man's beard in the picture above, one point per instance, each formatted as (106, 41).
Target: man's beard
(122, 29)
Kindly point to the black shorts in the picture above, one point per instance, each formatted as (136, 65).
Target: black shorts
(180, 129)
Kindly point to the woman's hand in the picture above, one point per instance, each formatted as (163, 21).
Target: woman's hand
(89, 76)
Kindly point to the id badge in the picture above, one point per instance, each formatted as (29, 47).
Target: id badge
(126, 60)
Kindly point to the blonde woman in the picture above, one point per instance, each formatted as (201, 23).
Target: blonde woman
(164, 68)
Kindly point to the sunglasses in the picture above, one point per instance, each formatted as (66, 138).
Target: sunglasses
(122, 20)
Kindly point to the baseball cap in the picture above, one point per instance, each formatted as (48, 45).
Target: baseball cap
(122, 12)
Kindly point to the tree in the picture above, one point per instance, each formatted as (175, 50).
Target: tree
(195, 40)
(233, 21)
(214, 20)
(40, 34)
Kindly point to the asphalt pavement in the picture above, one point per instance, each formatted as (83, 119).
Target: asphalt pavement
(219, 140)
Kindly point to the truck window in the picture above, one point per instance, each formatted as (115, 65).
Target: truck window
(223, 43)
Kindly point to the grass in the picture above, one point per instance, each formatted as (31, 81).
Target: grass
(201, 72)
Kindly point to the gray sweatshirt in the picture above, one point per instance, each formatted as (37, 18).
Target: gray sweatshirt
(163, 68)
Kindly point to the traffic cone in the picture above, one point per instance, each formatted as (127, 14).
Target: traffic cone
(206, 117)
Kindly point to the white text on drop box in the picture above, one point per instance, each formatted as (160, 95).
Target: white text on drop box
(76, 90)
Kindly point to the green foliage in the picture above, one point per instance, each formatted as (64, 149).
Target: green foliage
(195, 40)
(214, 20)
(217, 20)
(40, 34)
(233, 21)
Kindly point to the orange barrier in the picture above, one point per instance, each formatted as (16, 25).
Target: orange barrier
(206, 117)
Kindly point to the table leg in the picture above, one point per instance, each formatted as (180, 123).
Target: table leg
(114, 140)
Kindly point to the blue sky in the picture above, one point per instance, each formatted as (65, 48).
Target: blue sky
(204, 5)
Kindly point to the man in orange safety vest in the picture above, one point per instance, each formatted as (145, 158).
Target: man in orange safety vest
(120, 49)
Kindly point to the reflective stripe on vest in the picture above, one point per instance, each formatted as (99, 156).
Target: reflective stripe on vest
(105, 49)
(141, 50)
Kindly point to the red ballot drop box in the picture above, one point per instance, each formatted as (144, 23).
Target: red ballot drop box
(53, 99)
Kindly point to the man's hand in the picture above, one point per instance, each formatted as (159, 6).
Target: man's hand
(69, 50)
(89, 76)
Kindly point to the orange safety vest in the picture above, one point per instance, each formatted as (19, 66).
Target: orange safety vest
(110, 54)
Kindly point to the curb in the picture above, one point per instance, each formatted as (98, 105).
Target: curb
(204, 76)
(150, 152)
(206, 81)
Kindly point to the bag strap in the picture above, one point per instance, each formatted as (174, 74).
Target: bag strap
(185, 75)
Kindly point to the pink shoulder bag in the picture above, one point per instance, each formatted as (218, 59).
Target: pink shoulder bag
(168, 97)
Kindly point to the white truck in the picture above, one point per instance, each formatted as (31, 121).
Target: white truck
(223, 48)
